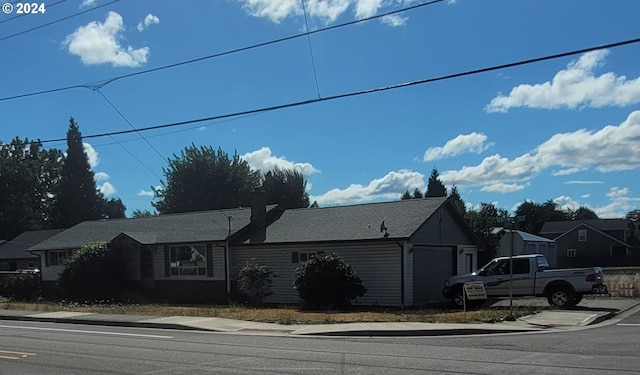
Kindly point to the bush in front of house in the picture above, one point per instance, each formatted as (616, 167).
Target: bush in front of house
(255, 281)
(327, 282)
(93, 273)
(23, 286)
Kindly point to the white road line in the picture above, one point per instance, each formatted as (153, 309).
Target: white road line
(629, 324)
(89, 332)
(14, 355)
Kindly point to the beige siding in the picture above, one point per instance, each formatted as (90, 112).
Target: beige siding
(378, 265)
(442, 228)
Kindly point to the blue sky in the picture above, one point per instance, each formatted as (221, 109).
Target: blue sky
(565, 129)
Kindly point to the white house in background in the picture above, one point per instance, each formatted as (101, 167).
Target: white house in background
(525, 243)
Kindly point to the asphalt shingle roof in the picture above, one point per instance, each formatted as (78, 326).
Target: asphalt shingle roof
(175, 228)
(600, 224)
(17, 248)
(357, 222)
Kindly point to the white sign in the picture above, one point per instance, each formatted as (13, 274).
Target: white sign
(475, 290)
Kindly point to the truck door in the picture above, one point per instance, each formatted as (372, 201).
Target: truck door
(523, 280)
(496, 278)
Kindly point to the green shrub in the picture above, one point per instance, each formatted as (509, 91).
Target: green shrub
(327, 282)
(23, 286)
(93, 273)
(255, 280)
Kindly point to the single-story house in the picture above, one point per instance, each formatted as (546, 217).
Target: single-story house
(402, 250)
(525, 243)
(590, 243)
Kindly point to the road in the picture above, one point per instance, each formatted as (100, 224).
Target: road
(45, 348)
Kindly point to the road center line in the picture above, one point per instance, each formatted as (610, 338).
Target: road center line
(629, 324)
(89, 332)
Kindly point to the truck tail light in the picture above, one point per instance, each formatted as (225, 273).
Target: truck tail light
(591, 277)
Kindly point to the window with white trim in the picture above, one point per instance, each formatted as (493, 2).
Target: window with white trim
(582, 235)
(571, 253)
(189, 260)
(58, 258)
(304, 256)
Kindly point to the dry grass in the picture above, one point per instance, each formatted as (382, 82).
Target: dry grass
(281, 315)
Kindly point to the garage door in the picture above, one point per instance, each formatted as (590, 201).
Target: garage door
(431, 267)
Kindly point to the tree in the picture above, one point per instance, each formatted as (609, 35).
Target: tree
(204, 179)
(77, 198)
(29, 175)
(435, 188)
(113, 209)
(327, 282)
(457, 201)
(536, 215)
(255, 280)
(406, 195)
(286, 187)
(93, 273)
(143, 213)
(633, 215)
(583, 213)
(482, 221)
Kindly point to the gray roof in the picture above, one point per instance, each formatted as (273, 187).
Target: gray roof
(357, 222)
(528, 237)
(163, 229)
(600, 224)
(17, 248)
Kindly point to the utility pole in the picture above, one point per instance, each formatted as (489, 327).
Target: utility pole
(513, 222)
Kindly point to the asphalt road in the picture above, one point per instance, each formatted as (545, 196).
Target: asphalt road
(45, 348)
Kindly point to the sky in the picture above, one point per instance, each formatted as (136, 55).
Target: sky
(564, 129)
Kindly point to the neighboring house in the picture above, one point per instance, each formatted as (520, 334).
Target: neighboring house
(14, 255)
(403, 251)
(525, 243)
(598, 242)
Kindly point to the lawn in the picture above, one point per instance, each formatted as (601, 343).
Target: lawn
(281, 314)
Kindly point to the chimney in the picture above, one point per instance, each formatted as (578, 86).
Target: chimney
(258, 216)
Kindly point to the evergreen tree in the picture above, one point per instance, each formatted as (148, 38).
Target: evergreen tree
(435, 188)
(285, 187)
(406, 195)
(77, 198)
(457, 200)
(417, 194)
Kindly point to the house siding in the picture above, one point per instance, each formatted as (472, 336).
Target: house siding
(442, 228)
(378, 265)
(594, 252)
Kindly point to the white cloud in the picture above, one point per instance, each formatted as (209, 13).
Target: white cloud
(264, 160)
(98, 43)
(582, 182)
(391, 186)
(394, 20)
(92, 155)
(474, 142)
(107, 189)
(87, 3)
(573, 87)
(612, 148)
(502, 188)
(566, 203)
(620, 202)
(149, 20)
(327, 11)
(585, 196)
(101, 176)
(145, 193)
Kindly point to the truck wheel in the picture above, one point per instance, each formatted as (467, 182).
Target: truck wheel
(577, 297)
(560, 297)
(457, 298)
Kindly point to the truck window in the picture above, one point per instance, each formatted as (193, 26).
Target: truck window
(520, 266)
(500, 267)
(542, 263)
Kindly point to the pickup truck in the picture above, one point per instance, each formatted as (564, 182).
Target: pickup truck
(531, 276)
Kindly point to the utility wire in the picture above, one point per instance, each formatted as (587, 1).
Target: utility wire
(225, 53)
(54, 22)
(131, 125)
(24, 14)
(313, 62)
(368, 91)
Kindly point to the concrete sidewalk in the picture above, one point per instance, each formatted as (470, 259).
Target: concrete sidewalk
(588, 312)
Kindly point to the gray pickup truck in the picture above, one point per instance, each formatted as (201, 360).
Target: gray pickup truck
(531, 277)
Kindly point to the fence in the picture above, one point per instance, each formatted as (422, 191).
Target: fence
(623, 281)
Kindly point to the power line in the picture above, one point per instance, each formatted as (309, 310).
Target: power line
(216, 55)
(368, 91)
(56, 21)
(313, 62)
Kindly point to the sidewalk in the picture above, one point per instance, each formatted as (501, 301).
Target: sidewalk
(588, 312)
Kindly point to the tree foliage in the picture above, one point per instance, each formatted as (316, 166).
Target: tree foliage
(583, 213)
(537, 214)
(457, 200)
(143, 213)
(633, 215)
(327, 282)
(202, 178)
(482, 220)
(255, 280)
(93, 273)
(285, 187)
(28, 179)
(23, 286)
(435, 187)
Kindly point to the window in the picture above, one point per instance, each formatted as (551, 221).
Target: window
(521, 266)
(303, 256)
(582, 235)
(571, 253)
(58, 258)
(188, 260)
